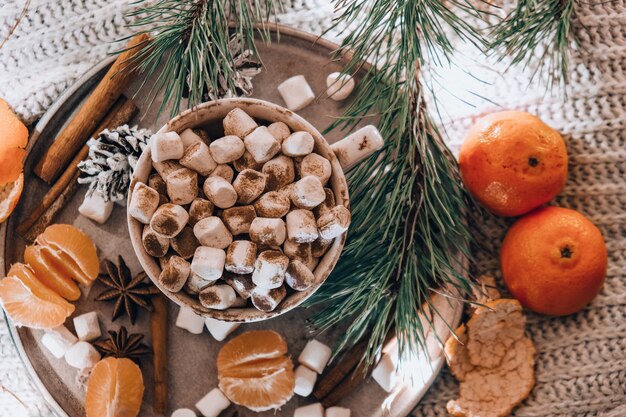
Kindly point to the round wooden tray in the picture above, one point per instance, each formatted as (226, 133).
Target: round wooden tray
(192, 357)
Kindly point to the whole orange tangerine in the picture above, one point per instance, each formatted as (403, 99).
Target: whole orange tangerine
(512, 162)
(554, 261)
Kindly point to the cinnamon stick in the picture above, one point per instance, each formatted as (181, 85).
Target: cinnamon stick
(122, 112)
(158, 324)
(75, 134)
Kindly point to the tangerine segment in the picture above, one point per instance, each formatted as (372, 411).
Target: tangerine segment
(11, 165)
(10, 196)
(115, 389)
(25, 274)
(13, 133)
(46, 272)
(263, 393)
(76, 244)
(27, 309)
(250, 347)
(254, 372)
(64, 263)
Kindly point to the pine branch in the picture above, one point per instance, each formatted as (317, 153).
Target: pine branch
(407, 234)
(537, 24)
(193, 51)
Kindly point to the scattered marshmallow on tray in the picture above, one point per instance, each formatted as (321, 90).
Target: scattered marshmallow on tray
(312, 410)
(337, 412)
(339, 86)
(220, 329)
(58, 341)
(95, 208)
(187, 319)
(315, 356)
(212, 404)
(87, 326)
(219, 214)
(82, 355)
(305, 381)
(296, 92)
(184, 412)
(385, 372)
(357, 146)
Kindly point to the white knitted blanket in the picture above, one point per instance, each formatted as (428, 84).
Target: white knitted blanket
(581, 363)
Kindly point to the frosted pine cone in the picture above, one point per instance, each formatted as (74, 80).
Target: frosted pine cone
(112, 158)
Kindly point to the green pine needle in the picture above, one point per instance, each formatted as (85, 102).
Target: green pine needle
(536, 24)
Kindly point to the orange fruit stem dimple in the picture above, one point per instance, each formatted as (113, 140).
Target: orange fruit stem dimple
(254, 371)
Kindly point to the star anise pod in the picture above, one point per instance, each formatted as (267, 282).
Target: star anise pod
(128, 292)
(120, 344)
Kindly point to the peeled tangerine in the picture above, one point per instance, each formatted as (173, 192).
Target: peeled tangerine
(115, 389)
(512, 162)
(29, 302)
(13, 140)
(254, 371)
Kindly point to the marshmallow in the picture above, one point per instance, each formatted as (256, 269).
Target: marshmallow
(334, 223)
(299, 251)
(218, 297)
(239, 219)
(316, 165)
(87, 327)
(272, 204)
(175, 274)
(301, 226)
(190, 137)
(184, 412)
(158, 183)
(249, 184)
(242, 284)
(82, 355)
(227, 149)
(220, 192)
(212, 404)
(298, 276)
(198, 158)
(269, 269)
(165, 146)
(223, 171)
(143, 203)
(305, 381)
(287, 190)
(187, 319)
(298, 144)
(211, 232)
(327, 204)
(261, 144)
(296, 92)
(315, 356)
(246, 162)
(237, 122)
(279, 172)
(169, 220)
(95, 208)
(202, 134)
(240, 257)
(268, 299)
(339, 86)
(320, 246)
(279, 130)
(220, 329)
(195, 283)
(185, 243)
(337, 412)
(312, 410)
(308, 192)
(208, 263)
(269, 232)
(182, 186)
(165, 168)
(357, 146)
(200, 209)
(385, 372)
(58, 341)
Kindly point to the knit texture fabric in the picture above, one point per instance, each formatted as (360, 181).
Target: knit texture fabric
(581, 360)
